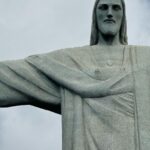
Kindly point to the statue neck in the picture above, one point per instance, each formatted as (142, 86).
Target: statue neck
(109, 40)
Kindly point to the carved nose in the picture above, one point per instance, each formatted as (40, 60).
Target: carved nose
(110, 15)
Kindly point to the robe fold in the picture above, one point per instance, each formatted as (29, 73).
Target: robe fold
(105, 103)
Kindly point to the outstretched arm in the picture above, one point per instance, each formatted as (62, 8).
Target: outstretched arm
(23, 84)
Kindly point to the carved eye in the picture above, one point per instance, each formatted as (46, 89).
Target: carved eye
(103, 7)
(116, 7)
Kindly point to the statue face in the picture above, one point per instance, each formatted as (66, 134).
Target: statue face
(109, 14)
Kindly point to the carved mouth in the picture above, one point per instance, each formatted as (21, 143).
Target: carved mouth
(109, 20)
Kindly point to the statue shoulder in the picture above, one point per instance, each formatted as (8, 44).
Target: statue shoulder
(140, 55)
(139, 47)
(73, 51)
(62, 55)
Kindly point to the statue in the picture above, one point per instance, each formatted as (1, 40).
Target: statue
(101, 90)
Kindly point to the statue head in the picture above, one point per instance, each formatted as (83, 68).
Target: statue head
(99, 26)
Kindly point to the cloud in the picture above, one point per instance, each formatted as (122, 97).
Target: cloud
(27, 127)
(138, 22)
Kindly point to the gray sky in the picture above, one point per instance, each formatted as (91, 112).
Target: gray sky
(38, 26)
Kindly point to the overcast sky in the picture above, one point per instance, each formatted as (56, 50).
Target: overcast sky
(38, 26)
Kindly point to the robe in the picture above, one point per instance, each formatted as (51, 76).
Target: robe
(103, 106)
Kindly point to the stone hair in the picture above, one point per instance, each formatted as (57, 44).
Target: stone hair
(123, 30)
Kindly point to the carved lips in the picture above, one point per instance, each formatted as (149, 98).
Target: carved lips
(109, 21)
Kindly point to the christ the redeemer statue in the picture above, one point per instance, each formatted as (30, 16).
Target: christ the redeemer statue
(102, 90)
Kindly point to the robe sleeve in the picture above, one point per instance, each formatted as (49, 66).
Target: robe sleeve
(21, 83)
